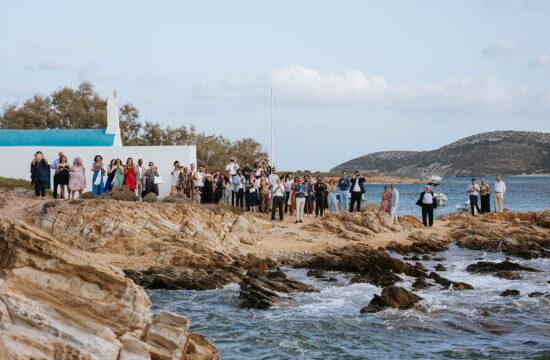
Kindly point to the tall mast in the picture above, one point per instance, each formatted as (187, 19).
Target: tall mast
(272, 159)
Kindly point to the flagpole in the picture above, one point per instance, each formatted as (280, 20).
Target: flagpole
(272, 159)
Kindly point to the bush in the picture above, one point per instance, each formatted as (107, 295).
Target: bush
(125, 194)
(12, 183)
(176, 199)
(150, 198)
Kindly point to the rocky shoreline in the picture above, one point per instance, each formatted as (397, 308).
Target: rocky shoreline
(61, 266)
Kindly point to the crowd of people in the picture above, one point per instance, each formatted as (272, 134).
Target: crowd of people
(256, 189)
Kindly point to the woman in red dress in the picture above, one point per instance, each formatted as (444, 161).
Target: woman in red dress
(130, 172)
(386, 197)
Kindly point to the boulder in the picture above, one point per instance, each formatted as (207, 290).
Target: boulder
(198, 348)
(440, 267)
(543, 219)
(446, 283)
(505, 269)
(87, 195)
(261, 292)
(56, 303)
(150, 198)
(392, 297)
(509, 292)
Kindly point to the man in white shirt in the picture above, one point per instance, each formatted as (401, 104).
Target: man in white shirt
(278, 196)
(394, 203)
(500, 189)
(232, 167)
(473, 190)
(427, 202)
(140, 178)
(199, 179)
(272, 180)
(288, 189)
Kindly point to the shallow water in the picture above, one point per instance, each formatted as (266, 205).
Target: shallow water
(327, 324)
(525, 193)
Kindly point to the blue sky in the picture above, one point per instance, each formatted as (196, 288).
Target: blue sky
(350, 77)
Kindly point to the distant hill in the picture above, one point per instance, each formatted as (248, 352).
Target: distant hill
(489, 154)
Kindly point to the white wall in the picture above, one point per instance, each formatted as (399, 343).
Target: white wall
(16, 160)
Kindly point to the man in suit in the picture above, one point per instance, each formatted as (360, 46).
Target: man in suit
(140, 178)
(428, 203)
(394, 203)
(357, 190)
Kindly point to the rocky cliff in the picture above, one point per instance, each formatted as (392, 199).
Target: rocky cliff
(488, 154)
(57, 304)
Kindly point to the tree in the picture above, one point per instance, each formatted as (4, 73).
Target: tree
(83, 108)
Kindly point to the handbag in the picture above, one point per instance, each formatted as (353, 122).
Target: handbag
(252, 190)
(157, 180)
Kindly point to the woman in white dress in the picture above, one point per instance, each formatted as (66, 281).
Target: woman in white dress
(175, 176)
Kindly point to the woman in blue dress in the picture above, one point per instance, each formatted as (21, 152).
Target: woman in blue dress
(97, 179)
(110, 175)
(332, 203)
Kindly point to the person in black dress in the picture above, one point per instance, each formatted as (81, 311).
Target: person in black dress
(40, 174)
(207, 191)
(63, 173)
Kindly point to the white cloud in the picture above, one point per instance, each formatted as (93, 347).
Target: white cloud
(94, 72)
(306, 86)
(503, 48)
(543, 60)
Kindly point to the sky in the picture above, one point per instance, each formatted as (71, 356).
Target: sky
(349, 77)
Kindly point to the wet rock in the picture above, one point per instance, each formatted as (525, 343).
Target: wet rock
(261, 292)
(392, 297)
(426, 258)
(504, 270)
(319, 275)
(509, 292)
(420, 284)
(537, 294)
(448, 283)
(422, 244)
(171, 279)
(415, 258)
(440, 267)
(198, 348)
(372, 266)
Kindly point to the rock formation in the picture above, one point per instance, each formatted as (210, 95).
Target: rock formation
(56, 304)
(520, 152)
(392, 297)
(505, 269)
(260, 290)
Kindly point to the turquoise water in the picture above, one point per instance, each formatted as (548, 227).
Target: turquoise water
(445, 325)
(522, 194)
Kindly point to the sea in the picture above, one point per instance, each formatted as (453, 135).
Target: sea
(446, 324)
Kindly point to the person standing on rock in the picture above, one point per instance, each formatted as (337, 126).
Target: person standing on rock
(140, 178)
(485, 196)
(150, 185)
(232, 167)
(320, 196)
(357, 190)
(331, 198)
(97, 179)
(500, 189)
(300, 190)
(40, 174)
(428, 203)
(278, 198)
(56, 174)
(394, 203)
(252, 198)
(473, 190)
(175, 177)
(77, 181)
(386, 198)
(130, 175)
(238, 188)
(343, 191)
(289, 183)
(199, 180)
(272, 179)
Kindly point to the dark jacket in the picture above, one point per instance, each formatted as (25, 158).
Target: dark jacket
(40, 171)
(343, 184)
(419, 202)
(361, 181)
(320, 189)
